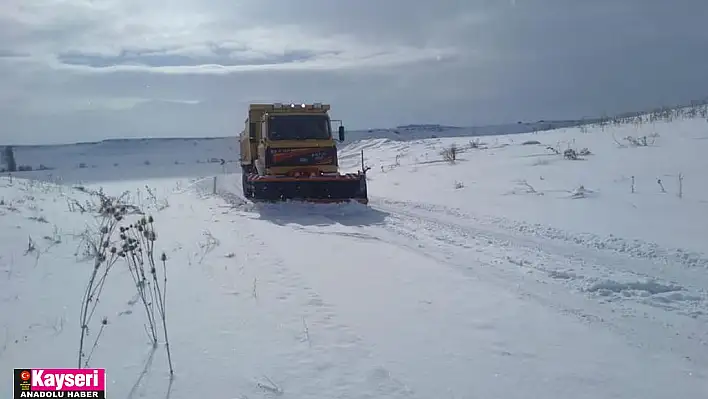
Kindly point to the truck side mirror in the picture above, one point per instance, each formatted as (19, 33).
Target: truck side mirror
(341, 133)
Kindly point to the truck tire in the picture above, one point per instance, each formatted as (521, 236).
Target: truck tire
(245, 171)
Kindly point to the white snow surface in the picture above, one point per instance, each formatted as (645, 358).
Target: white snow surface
(509, 273)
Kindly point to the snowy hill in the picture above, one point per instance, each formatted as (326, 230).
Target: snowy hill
(127, 159)
(416, 132)
(161, 151)
(518, 269)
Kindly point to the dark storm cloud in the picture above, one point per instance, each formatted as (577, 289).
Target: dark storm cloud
(378, 63)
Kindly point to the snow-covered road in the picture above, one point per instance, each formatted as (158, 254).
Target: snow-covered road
(455, 308)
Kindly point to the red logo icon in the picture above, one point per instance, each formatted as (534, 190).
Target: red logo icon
(25, 375)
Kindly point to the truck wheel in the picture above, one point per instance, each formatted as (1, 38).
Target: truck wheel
(245, 171)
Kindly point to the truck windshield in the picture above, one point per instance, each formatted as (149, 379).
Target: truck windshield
(299, 127)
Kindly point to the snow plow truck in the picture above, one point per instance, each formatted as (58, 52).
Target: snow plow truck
(288, 153)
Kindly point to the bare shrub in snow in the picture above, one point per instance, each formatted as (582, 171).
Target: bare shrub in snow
(449, 154)
(270, 386)
(529, 188)
(570, 154)
(75, 206)
(661, 185)
(477, 144)
(135, 246)
(306, 331)
(680, 185)
(525, 188)
(55, 238)
(386, 168)
(580, 192)
(40, 219)
(31, 247)
(575, 155)
(662, 114)
(553, 150)
(642, 141)
(208, 245)
(159, 204)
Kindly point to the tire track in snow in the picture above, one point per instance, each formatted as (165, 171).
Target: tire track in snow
(604, 274)
(534, 269)
(426, 319)
(328, 358)
(485, 258)
(598, 270)
(320, 329)
(633, 248)
(387, 291)
(540, 269)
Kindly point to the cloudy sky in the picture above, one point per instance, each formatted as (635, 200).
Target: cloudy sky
(81, 70)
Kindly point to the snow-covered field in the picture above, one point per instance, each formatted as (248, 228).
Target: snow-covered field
(511, 272)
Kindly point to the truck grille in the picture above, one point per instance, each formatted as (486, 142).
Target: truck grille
(300, 156)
